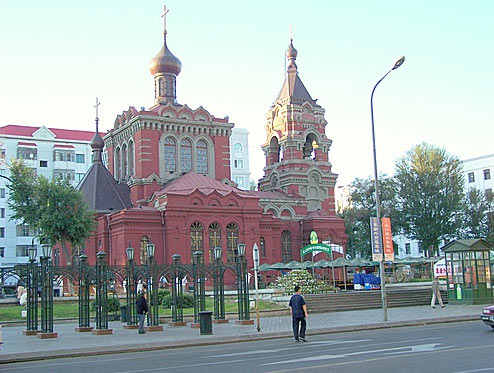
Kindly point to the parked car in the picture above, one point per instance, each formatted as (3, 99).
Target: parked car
(487, 316)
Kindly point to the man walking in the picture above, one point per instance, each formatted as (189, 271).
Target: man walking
(299, 313)
(436, 294)
(141, 308)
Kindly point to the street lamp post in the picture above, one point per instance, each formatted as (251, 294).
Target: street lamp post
(255, 257)
(153, 316)
(219, 287)
(242, 287)
(397, 64)
(46, 295)
(32, 292)
(130, 289)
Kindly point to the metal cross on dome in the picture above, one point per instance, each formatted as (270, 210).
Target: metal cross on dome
(165, 11)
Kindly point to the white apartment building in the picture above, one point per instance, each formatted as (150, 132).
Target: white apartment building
(239, 158)
(479, 173)
(52, 152)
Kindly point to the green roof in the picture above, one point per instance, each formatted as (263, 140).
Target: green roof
(477, 244)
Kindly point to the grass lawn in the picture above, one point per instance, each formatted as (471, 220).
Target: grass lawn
(71, 310)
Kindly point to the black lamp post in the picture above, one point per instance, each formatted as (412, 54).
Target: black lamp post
(219, 286)
(153, 316)
(84, 282)
(46, 295)
(130, 289)
(378, 203)
(242, 285)
(32, 293)
(199, 291)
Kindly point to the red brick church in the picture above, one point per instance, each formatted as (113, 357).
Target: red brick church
(167, 178)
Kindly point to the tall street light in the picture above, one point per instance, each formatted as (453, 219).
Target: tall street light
(397, 64)
(255, 257)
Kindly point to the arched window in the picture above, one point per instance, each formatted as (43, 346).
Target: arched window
(202, 157)
(231, 241)
(143, 254)
(161, 92)
(131, 159)
(214, 239)
(170, 154)
(124, 162)
(237, 147)
(118, 167)
(262, 247)
(185, 155)
(196, 237)
(286, 247)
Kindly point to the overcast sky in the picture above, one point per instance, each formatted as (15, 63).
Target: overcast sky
(58, 56)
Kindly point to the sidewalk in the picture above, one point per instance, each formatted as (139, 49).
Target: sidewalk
(17, 347)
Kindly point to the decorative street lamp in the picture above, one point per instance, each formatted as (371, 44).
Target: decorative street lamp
(130, 289)
(397, 64)
(32, 292)
(255, 257)
(219, 287)
(153, 316)
(199, 291)
(46, 295)
(242, 286)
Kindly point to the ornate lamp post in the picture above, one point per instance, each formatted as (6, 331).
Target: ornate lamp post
(46, 295)
(255, 257)
(153, 280)
(84, 282)
(378, 203)
(130, 289)
(32, 293)
(219, 287)
(101, 296)
(242, 287)
(199, 291)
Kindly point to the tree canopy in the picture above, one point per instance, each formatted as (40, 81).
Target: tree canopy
(430, 194)
(55, 210)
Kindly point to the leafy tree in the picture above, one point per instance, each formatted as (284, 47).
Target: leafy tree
(477, 217)
(430, 192)
(52, 208)
(363, 206)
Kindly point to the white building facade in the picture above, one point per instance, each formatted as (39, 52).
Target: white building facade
(479, 173)
(51, 152)
(239, 158)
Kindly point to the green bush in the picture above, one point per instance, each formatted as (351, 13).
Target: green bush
(162, 293)
(113, 304)
(299, 277)
(185, 301)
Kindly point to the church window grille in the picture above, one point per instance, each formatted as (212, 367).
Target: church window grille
(202, 157)
(214, 239)
(170, 154)
(186, 155)
(143, 255)
(286, 247)
(196, 237)
(124, 162)
(231, 241)
(262, 249)
(117, 165)
(131, 159)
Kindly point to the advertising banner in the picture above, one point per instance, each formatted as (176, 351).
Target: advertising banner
(389, 254)
(376, 240)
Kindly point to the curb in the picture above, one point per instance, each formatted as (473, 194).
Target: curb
(212, 340)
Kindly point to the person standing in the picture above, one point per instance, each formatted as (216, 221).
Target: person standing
(436, 294)
(141, 309)
(299, 313)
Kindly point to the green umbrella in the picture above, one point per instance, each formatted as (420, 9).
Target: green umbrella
(294, 265)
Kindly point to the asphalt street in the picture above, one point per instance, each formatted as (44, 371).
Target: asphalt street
(452, 347)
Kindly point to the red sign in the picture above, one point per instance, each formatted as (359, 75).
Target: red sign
(389, 255)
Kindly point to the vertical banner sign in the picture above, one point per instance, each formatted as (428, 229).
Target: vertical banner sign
(389, 254)
(376, 240)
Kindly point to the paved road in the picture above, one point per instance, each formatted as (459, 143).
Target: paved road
(454, 347)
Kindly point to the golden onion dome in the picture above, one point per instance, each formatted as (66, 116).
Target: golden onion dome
(291, 52)
(165, 62)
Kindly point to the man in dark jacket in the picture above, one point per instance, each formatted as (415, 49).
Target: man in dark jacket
(141, 309)
(299, 313)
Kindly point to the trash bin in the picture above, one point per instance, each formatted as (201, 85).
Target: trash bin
(206, 322)
(124, 313)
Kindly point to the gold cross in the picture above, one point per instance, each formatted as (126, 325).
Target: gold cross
(165, 11)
